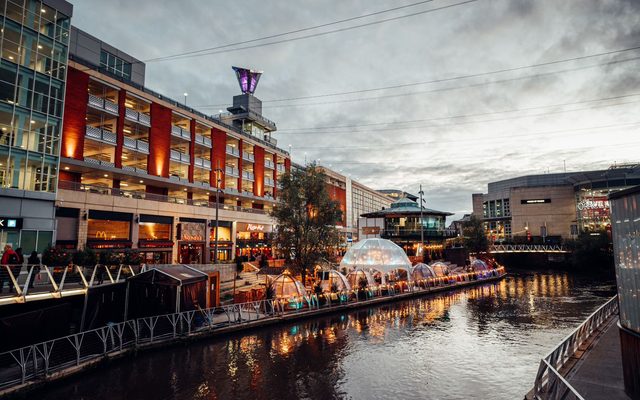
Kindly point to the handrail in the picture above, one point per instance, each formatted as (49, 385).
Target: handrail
(546, 383)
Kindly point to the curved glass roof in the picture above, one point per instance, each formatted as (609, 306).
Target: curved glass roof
(336, 278)
(479, 265)
(440, 268)
(286, 285)
(380, 254)
(354, 278)
(422, 271)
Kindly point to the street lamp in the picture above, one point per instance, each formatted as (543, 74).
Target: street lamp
(421, 223)
(185, 98)
(218, 172)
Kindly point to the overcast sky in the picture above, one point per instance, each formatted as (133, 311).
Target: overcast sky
(466, 132)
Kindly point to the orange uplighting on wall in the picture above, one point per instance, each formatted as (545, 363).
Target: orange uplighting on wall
(71, 144)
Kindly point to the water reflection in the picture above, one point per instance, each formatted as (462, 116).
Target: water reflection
(482, 342)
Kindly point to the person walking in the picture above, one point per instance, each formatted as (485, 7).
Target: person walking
(8, 260)
(34, 261)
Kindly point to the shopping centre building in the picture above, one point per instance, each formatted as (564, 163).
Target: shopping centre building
(34, 39)
(139, 170)
(549, 207)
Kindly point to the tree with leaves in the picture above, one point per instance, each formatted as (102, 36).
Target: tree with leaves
(475, 237)
(306, 219)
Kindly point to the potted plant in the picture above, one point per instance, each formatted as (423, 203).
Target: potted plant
(57, 259)
(317, 290)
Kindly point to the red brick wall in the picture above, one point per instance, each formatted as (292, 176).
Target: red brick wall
(75, 112)
(69, 176)
(275, 176)
(218, 154)
(339, 195)
(159, 140)
(258, 171)
(192, 148)
(240, 162)
(120, 127)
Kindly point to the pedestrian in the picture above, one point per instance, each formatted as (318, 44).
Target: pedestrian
(8, 260)
(34, 262)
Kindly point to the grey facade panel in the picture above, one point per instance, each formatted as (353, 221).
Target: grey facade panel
(61, 5)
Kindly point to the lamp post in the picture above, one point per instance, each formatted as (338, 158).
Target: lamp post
(185, 98)
(218, 172)
(421, 223)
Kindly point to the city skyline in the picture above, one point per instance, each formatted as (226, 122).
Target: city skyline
(459, 40)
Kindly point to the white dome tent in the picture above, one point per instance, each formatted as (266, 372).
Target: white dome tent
(422, 271)
(336, 277)
(354, 278)
(286, 286)
(379, 254)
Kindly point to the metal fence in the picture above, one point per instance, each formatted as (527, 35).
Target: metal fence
(549, 382)
(30, 363)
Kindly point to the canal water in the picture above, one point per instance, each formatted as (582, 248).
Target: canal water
(477, 343)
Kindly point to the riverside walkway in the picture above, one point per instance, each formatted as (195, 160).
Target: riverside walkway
(598, 373)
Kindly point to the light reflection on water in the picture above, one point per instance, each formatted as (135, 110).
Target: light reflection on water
(482, 342)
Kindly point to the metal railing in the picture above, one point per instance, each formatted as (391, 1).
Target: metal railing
(77, 186)
(103, 104)
(180, 132)
(38, 361)
(136, 116)
(527, 248)
(203, 140)
(232, 151)
(47, 282)
(232, 171)
(280, 167)
(269, 164)
(549, 383)
(135, 144)
(269, 182)
(101, 135)
(248, 157)
(175, 155)
(248, 176)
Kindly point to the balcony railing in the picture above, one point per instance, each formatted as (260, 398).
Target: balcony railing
(247, 193)
(103, 104)
(202, 163)
(179, 157)
(101, 135)
(413, 232)
(248, 176)
(269, 164)
(269, 182)
(181, 133)
(137, 145)
(231, 171)
(99, 162)
(134, 169)
(136, 116)
(280, 168)
(233, 151)
(77, 186)
(248, 157)
(203, 140)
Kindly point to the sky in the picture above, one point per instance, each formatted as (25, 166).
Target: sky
(453, 98)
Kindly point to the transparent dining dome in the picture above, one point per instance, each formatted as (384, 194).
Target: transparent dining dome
(440, 268)
(354, 278)
(285, 285)
(380, 254)
(479, 265)
(422, 271)
(334, 278)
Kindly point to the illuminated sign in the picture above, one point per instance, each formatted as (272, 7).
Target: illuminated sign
(255, 228)
(10, 223)
(248, 79)
(191, 231)
(593, 205)
(535, 201)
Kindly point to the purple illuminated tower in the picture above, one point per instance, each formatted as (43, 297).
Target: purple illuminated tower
(246, 111)
(248, 79)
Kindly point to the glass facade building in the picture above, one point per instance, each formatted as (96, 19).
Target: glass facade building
(34, 39)
(625, 219)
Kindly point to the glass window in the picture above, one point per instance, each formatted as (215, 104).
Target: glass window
(28, 241)
(7, 82)
(99, 229)
(154, 231)
(45, 239)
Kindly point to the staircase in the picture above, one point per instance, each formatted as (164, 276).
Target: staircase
(247, 280)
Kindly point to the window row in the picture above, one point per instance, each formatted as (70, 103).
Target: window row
(29, 131)
(27, 171)
(39, 17)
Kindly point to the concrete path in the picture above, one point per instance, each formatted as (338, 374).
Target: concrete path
(598, 375)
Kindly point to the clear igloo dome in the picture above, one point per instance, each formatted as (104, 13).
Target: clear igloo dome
(479, 265)
(380, 254)
(354, 278)
(286, 285)
(422, 271)
(440, 268)
(335, 277)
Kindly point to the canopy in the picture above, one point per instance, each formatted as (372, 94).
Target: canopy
(440, 268)
(354, 278)
(333, 277)
(422, 271)
(380, 254)
(479, 265)
(285, 285)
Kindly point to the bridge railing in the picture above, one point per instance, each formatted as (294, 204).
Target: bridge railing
(527, 248)
(549, 383)
(23, 280)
